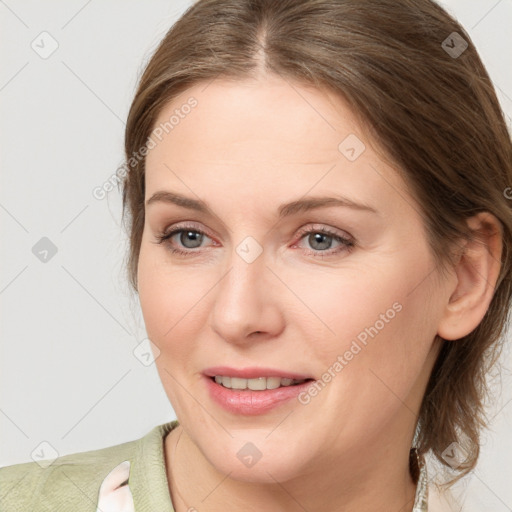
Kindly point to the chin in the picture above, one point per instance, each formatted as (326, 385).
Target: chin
(244, 462)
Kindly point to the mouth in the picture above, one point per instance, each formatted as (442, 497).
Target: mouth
(253, 391)
(258, 383)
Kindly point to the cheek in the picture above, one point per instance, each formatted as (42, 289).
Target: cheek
(379, 330)
(170, 298)
(370, 370)
(343, 307)
(167, 293)
(175, 301)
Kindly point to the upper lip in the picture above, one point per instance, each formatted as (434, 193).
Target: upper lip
(253, 372)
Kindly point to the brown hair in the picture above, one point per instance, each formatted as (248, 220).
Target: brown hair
(434, 113)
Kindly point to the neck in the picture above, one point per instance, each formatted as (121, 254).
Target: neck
(375, 478)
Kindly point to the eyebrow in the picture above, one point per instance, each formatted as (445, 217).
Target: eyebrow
(285, 210)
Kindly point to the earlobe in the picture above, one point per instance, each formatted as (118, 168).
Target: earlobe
(477, 272)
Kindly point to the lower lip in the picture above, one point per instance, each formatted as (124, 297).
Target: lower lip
(249, 402)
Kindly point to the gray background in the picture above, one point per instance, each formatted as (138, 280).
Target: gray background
(68, 374)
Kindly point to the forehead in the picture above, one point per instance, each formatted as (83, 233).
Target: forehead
(269, 113)
(265, 136)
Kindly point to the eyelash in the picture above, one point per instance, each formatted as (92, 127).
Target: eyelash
(347, 244)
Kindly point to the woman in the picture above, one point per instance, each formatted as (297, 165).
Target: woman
(322, 253)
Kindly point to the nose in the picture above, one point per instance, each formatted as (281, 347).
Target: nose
(247, 302)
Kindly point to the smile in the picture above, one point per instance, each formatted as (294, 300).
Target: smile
(256, 384)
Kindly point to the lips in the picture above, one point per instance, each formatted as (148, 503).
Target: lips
(250, 402)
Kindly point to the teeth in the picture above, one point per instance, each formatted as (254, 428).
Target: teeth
(236, 383)
(257, 384)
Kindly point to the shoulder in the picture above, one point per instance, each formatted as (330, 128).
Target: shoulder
(71, 479)
(70, 482)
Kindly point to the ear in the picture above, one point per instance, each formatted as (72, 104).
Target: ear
(476, 273)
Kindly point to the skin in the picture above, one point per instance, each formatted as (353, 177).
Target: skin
(248, 147)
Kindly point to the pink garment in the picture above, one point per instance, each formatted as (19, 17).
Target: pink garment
(115, 494)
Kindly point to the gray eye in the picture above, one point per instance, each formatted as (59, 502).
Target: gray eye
(190, 239)
(318, 241)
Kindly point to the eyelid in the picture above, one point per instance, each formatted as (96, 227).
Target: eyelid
(183, 226)
(322, 228)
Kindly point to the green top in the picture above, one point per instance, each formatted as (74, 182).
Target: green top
(72, 482)
(126, 477)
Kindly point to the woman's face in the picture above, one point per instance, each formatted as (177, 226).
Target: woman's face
(269, 281)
